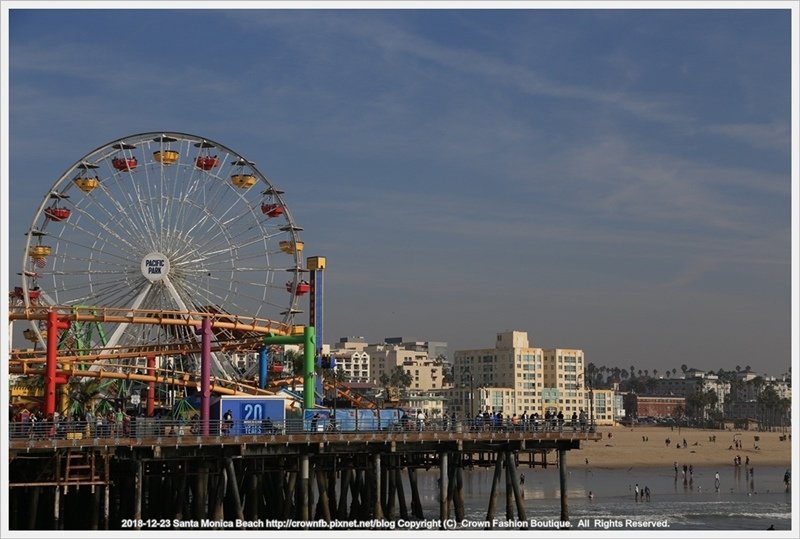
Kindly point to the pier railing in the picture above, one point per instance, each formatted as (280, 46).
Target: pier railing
(134, 430)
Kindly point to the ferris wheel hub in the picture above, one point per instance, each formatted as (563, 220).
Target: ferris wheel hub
(155, 267)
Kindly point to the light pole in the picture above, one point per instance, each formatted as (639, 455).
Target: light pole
(591, 407)
(466, 372)
(587, 380)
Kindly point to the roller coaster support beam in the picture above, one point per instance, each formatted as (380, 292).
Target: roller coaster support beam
(309, 350)
(54, 325)
(151, 386)
(205, 375)
(263, 360)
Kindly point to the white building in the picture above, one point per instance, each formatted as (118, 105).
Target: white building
(350, 354)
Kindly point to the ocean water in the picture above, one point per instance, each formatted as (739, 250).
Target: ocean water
(741, 503)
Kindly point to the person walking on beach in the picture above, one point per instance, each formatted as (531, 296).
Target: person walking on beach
(716, 481)
(636, 492)
(646, 493)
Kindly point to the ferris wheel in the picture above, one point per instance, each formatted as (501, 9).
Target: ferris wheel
(164, 222)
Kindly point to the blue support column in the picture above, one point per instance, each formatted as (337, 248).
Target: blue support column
(263, 361)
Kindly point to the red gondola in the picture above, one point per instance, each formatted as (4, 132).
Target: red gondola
(124, 163)
(272, 210)
(303, 287)
(276, 367)
(206, 162)
(57, 214)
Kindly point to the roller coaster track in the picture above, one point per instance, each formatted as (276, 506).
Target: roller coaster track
(114, 315)
(161, 376)
(27, 362)
(32, 357)
(355, 399)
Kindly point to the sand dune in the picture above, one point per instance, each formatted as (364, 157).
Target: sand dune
(625, 448)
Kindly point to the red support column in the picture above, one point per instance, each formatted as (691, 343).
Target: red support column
(205, 375)
(151, 386)
(50, 379)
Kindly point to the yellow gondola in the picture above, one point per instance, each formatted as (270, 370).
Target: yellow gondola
(166, 157)
(291, 247)
(38, 251)
(87, 185)
(243, 181)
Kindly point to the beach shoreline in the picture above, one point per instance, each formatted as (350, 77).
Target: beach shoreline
(647, 446)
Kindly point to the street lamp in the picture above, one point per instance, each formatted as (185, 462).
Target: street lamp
(591, 407)
(465, 371)
(587, 380)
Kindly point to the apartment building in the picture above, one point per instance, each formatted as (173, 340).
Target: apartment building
(350, 354)
(563, 380)
(692, 382)
(516, 376)
(426, 373)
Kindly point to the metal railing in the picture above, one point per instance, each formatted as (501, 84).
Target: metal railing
(148, 427)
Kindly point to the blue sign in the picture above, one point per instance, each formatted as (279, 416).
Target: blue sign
(253, 415)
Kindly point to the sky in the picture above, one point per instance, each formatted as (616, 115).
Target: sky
(614, 180)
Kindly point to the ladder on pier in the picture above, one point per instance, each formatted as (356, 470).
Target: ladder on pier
(78, 467)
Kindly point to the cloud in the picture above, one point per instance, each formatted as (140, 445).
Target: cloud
(773, 135)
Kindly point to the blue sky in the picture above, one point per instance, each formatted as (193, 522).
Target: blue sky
(612, 180)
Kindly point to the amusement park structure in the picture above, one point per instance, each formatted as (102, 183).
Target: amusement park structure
(149, 250)
(159, 259)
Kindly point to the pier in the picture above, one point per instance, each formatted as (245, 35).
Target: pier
(171, 477)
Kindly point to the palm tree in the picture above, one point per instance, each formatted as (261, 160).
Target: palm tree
(784, 405)
(296, 360)
(85, 395)
(769, 401)
(338, 373)
(590, 373)
(710, 400)
(397, 377)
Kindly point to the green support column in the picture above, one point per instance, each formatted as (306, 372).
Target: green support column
(308, 375)
(309, 341)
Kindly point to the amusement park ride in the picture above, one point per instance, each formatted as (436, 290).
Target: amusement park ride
(150, 249)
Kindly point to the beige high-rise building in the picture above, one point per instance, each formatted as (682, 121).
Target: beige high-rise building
(515, 377)
(563, 381)
(426, 373)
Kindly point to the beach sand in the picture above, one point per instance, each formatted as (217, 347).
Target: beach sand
(626, 448)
